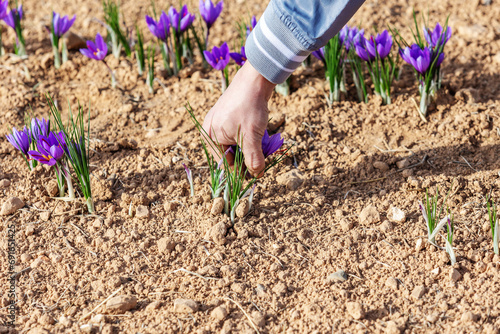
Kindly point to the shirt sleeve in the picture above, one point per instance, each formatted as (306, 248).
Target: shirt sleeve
(289, 30)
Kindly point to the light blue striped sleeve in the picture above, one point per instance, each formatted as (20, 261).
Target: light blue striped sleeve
(289, 30)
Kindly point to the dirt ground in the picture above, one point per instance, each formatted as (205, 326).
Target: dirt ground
(176, 269)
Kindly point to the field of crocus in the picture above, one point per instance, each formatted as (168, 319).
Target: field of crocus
(376, 214)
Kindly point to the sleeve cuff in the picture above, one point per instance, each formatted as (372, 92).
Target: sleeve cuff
(272, 48)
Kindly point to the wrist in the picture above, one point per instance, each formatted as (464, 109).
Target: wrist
(260, 86)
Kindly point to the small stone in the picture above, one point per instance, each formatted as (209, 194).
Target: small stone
(275, 121)
(396, 215)
(242, 208)
(346, 225)
(469, 317)
(258, 319)
(30, 230)
(418, 292)
(121, 304)
(292, 179)
(407, 173)
(480, 266)
(74, 41)
(4, 183)
(217, 233)
(45, 216)
(46, 320)
(52, 188)
(403, 163)
(153, 306)
(65, 321)
(356, 310)
(382, 166)
(165, 245)
(219, 313)
(238, 287)
(260, 290)
(36, 263)
(98, 319)
(386, 226)
(392, 328)
(25, 257)
(369, 215)
(11, 205)
(185, 306)
(436, 271)
(455, 275)
(87, 328)
(338, 276)
(391, 283)
(419, 245)
(217, 206)
(196, 76)
(55, 258)
(432, 318)
(142, 211)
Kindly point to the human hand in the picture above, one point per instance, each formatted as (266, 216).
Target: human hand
(242, 110)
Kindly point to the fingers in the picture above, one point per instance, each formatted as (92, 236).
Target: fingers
(252, 150)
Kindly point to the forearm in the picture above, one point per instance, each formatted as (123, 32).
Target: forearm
(289, 30)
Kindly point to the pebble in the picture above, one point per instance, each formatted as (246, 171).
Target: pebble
(52, 188)
(217, 206)
(356, 310)
(153, 306)
(242, 208)
(185, 306)
(4, 183)
(455, 275)
(11, 205)
(142, 211)
(275, 121)
(338, 276)
(403, 163)
(418, 292)
(258, 319)
(65, 321)
(219, 313)
(121, 304)
(419, 245)
(432, 318)
(46, 320)
(260, 290)
(346, 225)
(436, 271)
(380, 165)
(386, 226)
(25, 257)
(392, 328)
(391, 283)
(469, 317)
(292, 179)
(165, 245)
(55, 258)
(396, 215)
(369, 215)
(217, 233)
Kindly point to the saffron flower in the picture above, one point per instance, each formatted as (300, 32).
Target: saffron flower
(182, 20)
(271, 144)
(253, 23)
(320, 54)
(60, 24)
(20, 140)
(349, 36)
(14, 15)
(161, 28)
(419, 58)
(437, 36)
(209, 12)
(362, 49)
(49, 150)
(239, 58)
(97, 50)
(381, 45)
(218, 59)
(39, 127)
(4, 7)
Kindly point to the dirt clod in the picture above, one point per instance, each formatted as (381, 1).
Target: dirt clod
(4, 183)
(418, 292)
(121, 304)
(455, 275)
(217, 233)
(217, 206)
(142, 211)
(166, 245)
(391, 283)
(11, 205)
(52, 188)
(356, 310)
(242, 208)
(292, 179)
(380, 165)
(219, 313)
(185, 306)
(369, 215)
(396, 215)
(338, 276)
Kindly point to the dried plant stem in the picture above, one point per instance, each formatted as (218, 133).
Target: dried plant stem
(246, 314)
(101, 303)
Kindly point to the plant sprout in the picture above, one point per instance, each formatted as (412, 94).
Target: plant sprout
(349, 37)
(431, 215)
(13, 20)
(112, 18)
(21, 140)
(139, 51)
(98, 51)
(450, 229)
(334, 55)
(181, 21)
(190, 178)
(151, 69)
(77, 146)
(4, 6)
(60, 25)
(492, 214)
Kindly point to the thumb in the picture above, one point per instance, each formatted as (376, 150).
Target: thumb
(254, 158)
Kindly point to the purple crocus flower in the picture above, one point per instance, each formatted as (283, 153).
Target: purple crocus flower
(161, 28)
(437, 36)
(180, 21)
(39, 127)
(271, 144)
(49, 150)
(349, 36)
(4, 7)
(320, 54)
(10, 19)
(253, 23)
(61, 24)
(381, 44)
(416, 57)
(97, 50)
(209, 12)
(239, 58)
(361, 49)
(20, 140)
(219, 57)
(439, 60)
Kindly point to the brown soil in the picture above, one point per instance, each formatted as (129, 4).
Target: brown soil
(275, 263)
